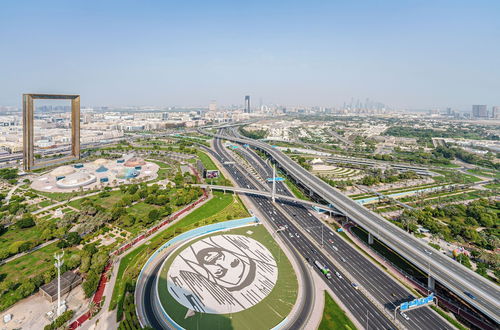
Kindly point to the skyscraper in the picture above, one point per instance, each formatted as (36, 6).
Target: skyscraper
(495, 112)
(479, 111)
(247, 103)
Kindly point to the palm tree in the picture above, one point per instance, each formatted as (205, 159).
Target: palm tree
(93, 308)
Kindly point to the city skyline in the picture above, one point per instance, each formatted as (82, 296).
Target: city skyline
(411, 56)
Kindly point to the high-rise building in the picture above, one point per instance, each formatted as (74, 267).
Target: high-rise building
(495, 112)
(247, 103)
(212, 106)
(479, 111)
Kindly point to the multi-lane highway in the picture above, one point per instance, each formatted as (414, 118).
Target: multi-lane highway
(359, 305)
(380, 285)
(449, 273)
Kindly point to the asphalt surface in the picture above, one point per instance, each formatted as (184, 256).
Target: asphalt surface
(359, 305)
(453, 275)
(380, 285)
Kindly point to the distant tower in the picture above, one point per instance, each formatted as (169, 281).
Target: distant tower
(58, 264)
(495, 112)
(247, 104)
(212, 106)
(479, 111)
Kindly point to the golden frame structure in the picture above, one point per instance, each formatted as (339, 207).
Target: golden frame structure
(28, 128)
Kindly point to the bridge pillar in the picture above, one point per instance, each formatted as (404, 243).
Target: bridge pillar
(431, 283)
(370, 238)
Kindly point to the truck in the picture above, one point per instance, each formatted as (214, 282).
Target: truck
(323, 269)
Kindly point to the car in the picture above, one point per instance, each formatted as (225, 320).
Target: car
(405, 316)
(355, 285)
(428, 252)
(338, 275)
(297, 235)
(343, 259)
(470, 295)
(335, 248)
(291, 235)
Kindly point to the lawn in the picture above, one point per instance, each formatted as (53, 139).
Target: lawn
(334, 317)
(455, 177)
(13, 234)
(488, 174)
(163, 171)
(492, 186)
(33, 263)
(106, 202)
(210, 165)
(266, 314)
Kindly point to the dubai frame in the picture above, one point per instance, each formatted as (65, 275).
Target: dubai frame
(28, 128)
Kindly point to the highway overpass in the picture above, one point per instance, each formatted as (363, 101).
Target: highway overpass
(448, 272)
(269, 194)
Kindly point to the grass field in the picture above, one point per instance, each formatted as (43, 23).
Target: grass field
(334, 317)
(488, 174)
(269, 312)
(106, 202)
(210, 165)
(33, 263)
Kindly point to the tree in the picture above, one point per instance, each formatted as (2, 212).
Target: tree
(90, 284)
(464, 260)
(73, 238)
(26, 221)
(154, 215)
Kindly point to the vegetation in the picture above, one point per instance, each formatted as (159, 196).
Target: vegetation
(474, 225)
(60, 321)
(220, 208)
(334, 317)
(254, 134)
(451, 132)
(9, 174)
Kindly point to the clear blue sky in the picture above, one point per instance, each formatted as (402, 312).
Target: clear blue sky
(404, 53)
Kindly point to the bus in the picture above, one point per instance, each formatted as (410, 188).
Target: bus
(323, 269)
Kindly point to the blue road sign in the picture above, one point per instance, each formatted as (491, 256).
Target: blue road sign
(275, 179)
(417, 302)
(340, 230)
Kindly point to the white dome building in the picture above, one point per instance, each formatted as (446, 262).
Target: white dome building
(76, 180)
(63, 171)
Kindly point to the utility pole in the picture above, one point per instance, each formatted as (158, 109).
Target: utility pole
(59, 262)
(274, 182)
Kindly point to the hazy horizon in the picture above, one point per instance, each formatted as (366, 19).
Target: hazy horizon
(419, 55)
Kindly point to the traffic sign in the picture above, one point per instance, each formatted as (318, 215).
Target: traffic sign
(275, 179)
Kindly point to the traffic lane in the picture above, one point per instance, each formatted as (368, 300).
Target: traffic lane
(389, 288)
(153, 319)
(379, 284)
(383, 322)
(357, 303)
(344, 200)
